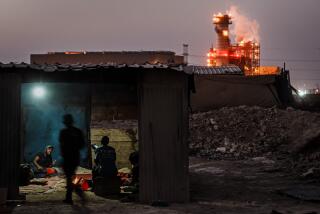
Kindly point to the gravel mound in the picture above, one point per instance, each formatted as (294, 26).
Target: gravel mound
(239, 133)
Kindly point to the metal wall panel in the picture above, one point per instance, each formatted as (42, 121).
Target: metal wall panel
(230, 90)
(163, 129)
(10, 133)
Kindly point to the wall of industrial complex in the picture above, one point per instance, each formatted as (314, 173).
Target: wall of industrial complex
(218, 91)
(125, 57)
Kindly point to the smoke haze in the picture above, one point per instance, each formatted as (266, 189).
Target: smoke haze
(243, 29)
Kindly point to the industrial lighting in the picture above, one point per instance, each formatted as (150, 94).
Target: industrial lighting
(39, 91)
(72, 52)
(216, 19)
(302, 92)
(225, 33)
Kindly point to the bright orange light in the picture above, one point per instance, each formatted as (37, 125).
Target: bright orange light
(216, 19)
(72, 52)
(241, 43)
(222, 53)
(235, 55)
(225, 33)
(211, 54)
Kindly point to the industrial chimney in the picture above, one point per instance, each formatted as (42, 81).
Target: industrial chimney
(222, 23)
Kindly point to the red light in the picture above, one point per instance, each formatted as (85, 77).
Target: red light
(72, 52)
(222, 53)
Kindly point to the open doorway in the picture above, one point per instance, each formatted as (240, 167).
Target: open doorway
(98, 110)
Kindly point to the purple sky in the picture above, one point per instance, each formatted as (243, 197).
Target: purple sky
(289, 29)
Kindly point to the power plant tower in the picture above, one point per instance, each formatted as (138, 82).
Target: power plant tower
(222, 23)
(244, 54)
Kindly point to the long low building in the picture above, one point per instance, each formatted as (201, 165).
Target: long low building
(108, 57)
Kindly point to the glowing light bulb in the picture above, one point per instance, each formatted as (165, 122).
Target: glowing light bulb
(39, 92)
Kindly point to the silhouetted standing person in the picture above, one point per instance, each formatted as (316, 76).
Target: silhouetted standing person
(71, 142)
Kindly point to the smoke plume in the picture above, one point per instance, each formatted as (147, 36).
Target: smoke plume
(243, 29)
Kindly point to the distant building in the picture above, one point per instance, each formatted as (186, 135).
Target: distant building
(108, 57)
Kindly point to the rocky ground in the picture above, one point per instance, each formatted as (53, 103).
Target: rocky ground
(242, 133)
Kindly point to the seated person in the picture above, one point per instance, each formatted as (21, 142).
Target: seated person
(131, 185)
(42, 163)
(134, 160)
(105, 160)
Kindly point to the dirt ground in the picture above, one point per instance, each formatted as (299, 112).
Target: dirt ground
(250, 186)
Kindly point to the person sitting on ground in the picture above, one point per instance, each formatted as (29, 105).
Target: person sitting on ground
(42, 162)
(133, 183)
(134, 160)
(105, 160)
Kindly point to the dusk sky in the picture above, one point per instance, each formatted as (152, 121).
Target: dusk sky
(289, 29)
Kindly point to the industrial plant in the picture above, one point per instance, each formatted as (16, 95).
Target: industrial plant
(244, 53)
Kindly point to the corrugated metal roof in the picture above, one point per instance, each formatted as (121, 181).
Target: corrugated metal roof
(85, 67)
(230, 69)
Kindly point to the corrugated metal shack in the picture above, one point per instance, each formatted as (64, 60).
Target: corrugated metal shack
(162, 96)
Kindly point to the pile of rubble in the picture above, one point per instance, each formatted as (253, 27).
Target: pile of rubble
(237, 133)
